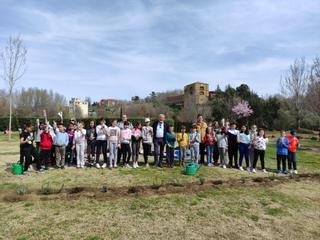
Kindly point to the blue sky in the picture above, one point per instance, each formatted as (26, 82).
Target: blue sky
(122, 48)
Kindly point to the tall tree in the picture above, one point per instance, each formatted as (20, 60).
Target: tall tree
(294, 86)
(13, 59)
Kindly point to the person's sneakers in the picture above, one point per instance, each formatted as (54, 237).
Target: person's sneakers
(81, 166)
(26, 173)
(291, 171)
(115, 166)
(134, 165)
(264, 171)
(254, 170)
(147, 165)
(284, 172)
(127, 165)
(248, 169)
(224, 166)
(295, 172)
(110, 166)
(278, 172)
(104, 165)
(240, 168)
(137, 165)
(98, 165)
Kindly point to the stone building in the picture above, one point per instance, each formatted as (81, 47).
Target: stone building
(78, 108)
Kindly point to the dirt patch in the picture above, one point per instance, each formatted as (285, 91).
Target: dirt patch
(105, 193)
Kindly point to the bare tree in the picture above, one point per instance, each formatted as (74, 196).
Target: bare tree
(14, 66)
(313, 94)
(294, 85)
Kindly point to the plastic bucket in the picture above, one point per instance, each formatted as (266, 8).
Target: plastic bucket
(17, 169)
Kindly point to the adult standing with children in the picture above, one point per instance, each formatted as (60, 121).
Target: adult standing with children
(202, 127)
(160, 128)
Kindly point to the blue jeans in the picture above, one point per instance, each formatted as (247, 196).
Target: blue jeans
(244, 152)
(210, 150)
(292, 160)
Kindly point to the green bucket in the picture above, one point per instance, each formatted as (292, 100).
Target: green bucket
(16, 169)
(191, 169)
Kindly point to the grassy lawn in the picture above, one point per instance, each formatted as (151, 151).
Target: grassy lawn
(53, 206)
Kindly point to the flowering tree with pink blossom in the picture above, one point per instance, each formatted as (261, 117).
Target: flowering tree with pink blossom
(242, 109)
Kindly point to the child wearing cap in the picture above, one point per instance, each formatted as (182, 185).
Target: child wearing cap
(183, 141)
(147, 136)
(292, 149)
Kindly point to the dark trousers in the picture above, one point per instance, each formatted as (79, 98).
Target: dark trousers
(281, 160)
(216, 154)
(292, 160)
(126, 152)
(91, 150)
(233, 155)
(101, 146)
(170, 156)
(244, 152)
(202, 152)
(135, 151)
(70, 155)
(257, 154)
(45, 157)
(158, 156)
(26, 158)
(146, 151)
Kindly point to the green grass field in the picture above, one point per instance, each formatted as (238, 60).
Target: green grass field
(161, 203)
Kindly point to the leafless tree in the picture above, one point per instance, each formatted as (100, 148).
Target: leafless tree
(294, 86)
(13, 59)
(313, 93)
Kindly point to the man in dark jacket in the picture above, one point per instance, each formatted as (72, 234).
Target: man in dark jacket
(160, 129)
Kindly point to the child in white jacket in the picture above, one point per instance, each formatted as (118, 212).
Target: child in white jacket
(113, 134)
(79, 143)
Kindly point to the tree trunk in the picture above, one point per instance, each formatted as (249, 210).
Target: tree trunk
(10, 114)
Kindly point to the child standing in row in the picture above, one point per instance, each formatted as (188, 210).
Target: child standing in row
(136, 139)
(61, 141)
(194, 141)
(91, 142)
(292, 158)
(282, 152)
(46, 142)
(114, 141)
(125, 138)
(170, 141)
(222, 141)
(260, 145)
(147, 136)
(183, 142)
(209, 140)
(79, 140)
(244, 144)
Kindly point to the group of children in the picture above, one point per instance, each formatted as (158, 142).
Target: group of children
(122, 141)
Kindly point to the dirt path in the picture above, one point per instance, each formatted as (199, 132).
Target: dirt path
(105, 193)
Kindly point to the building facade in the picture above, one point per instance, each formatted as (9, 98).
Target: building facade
(78, 108)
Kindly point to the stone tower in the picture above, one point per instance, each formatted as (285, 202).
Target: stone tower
(196, 94)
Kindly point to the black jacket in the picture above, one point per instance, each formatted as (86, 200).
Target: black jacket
(154, 126)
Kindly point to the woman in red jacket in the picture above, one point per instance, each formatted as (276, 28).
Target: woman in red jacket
(46, 142)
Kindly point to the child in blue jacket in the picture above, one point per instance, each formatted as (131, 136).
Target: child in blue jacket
(282, 152)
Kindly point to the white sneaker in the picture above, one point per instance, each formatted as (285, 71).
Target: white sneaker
(295, 172)
(128, 166)
(263, 170)
(98, 165)
(137, 165)
(240, 168)
(291, 171)
(254, 170)
(104, 165)
(224, 166)
(115, 166)
(147, 165)
(110, 166)
(134, 165)
(248, 169)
